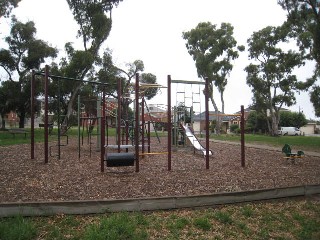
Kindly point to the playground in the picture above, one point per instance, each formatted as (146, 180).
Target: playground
(134, 164)
(68, 179)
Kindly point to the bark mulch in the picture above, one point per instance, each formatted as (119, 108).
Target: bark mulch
(71, 178)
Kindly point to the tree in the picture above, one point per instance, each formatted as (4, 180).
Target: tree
(127, 76)
(24, 53)
(8, 97)
(6, 6)
(270, 76)
(257, 122)
(304, 21)
(94, 28)
(292, 119)
(213, 49)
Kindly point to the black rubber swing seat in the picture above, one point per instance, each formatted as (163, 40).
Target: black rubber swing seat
(120, 159)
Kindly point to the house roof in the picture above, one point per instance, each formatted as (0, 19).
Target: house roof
(212, 117)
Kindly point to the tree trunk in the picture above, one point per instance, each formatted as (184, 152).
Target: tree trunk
(217, 112)
(3, 122)
(64, 125)
(22, 117)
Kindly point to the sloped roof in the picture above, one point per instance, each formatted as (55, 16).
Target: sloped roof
(212, 117)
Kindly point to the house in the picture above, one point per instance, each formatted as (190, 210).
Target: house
(155, 113)
(12, 119)
(199, 121)
(310, 128)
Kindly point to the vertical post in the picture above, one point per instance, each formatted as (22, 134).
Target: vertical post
(169, 123)
(46, 132)
(136, 130)
(102, 130)
(99, 123)
(142, 126)
(32, 113)
(207, 121)
(59, 123)
(119, 115)
(243, 163)
(149, 139)
(79, 125)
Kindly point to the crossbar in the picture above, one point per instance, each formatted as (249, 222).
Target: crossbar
(188, 82)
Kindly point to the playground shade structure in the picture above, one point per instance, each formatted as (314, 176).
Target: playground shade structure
(194, 140)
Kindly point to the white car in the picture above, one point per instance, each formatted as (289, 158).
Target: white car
(289, 131)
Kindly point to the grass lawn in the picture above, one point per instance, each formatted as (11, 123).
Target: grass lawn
(290, 219)
(303, 142)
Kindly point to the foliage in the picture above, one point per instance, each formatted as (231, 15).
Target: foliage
(94, 28)
(315, 99)
(303, 19)
(292, 119)
(271, 74)
(6, 7)
(17, 228)
(24, 53)
(117, 226)
(149, 78)
(234, 128)
(257, 122)
(213, 49)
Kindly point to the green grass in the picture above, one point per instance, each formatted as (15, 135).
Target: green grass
(290, 219)
(6, 138)
(303, 142)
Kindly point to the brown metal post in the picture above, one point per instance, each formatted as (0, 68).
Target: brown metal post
(136, 131)
(243, 160)
(169, 123)
(32, 113)
(149, 139)
(119, 114)
(103, 130)
(46, 119)
(142, 126)
(207, 121)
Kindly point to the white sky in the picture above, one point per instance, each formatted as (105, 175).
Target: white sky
(151, 30)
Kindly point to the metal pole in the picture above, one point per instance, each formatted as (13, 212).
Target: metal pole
(32, 113)
(99, 123)
(79, 125)
(59, 127)
(243, 160)
(207, 121)
(102, 129)
(46, 132)
(119, 115)
(169, 123)
(142, 126)
(136, 132)
(149, 138)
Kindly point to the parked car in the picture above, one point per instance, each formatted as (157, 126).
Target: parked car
(290, 131)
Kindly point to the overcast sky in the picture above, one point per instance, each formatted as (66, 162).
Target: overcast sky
(151, 30)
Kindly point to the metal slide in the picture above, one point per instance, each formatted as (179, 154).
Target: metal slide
(194, 140)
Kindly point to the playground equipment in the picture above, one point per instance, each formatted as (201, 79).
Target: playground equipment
(290, 155)
(195, 141)
(46, 76)
(120, 159)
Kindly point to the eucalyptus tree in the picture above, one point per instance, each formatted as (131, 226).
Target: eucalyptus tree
(24, 53)
(270, 75)
(303, 19)
(213, 49)
(6, 7)
(94, 21)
